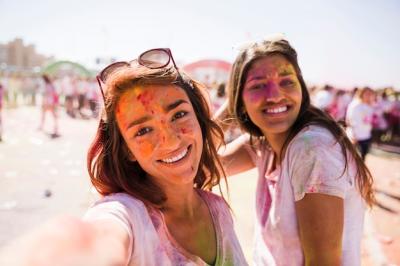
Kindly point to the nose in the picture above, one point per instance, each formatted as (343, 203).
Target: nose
(272, 92)
(169, 138)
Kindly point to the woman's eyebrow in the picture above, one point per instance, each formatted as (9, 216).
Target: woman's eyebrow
(175, 104)
(285, 72)
(138, 121)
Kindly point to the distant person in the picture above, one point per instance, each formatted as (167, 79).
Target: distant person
(50, 103)
(93, 98)
(382, 109)
(394, 121)
(1, 111)
(324, 98)
(313, 186)
(14, 89)
(32, 86)
(339, 106)
(81, 88)
(220, 96)
(359, 120)
(69, 91)
(154, 161)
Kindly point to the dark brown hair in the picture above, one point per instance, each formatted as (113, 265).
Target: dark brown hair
(308, 114)
(46, 78)
(108, 162)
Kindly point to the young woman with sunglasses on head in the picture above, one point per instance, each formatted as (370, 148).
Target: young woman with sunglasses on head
(312, 185)
(154, 160)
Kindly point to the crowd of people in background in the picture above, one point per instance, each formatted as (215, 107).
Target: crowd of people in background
(375, 118)
(78, 95)
(369, 115)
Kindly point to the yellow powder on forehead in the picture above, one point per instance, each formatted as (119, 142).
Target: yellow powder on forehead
(124, 104)
(136, 92)
(282, 64)
(275, 67)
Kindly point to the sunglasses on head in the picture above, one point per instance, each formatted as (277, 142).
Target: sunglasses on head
(153, 59)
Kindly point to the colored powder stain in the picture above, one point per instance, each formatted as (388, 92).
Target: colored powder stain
(162, 101)
(157, 108)
(146, 148)
(270, 89)
(312, 189)
(145, 98)
(266, 91)
(255, 97)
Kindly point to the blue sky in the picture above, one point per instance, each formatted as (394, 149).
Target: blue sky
(344, 43)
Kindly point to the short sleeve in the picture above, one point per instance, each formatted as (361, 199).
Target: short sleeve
(316, 164)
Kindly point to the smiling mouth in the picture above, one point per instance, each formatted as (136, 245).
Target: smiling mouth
(178, 157)
(276, 110)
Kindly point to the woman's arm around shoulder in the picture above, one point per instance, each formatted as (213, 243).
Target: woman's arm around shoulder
(235, 156)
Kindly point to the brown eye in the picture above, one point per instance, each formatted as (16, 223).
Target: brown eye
(257, 87)
(143, 131)
(287, 83)
(179, 114)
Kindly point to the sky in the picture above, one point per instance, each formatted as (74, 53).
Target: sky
(345, 43)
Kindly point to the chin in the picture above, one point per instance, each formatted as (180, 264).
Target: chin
(186, 176)
(276, 128)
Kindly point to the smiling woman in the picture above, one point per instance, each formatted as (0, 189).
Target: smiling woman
(313, 185)
(154, 161)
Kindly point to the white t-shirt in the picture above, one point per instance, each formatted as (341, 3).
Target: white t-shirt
(151, 244)
(359, 120)
(323, 99)
(313, 163)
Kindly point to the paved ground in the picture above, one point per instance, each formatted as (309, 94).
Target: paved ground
(42, 177)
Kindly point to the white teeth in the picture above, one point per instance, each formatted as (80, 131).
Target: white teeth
(176, 158)
(277, 110)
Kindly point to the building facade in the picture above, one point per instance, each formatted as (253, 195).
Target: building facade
(16, 55)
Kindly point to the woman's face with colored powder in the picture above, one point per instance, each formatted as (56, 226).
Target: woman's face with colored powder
(272, 95)
(161, 130)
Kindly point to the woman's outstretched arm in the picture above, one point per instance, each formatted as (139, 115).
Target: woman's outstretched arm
(70, 241)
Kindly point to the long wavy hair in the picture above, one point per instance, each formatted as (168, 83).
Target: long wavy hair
(308, 115)
(108, 162)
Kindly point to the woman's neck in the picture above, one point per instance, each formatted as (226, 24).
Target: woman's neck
(276, 141)
(181, 202)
